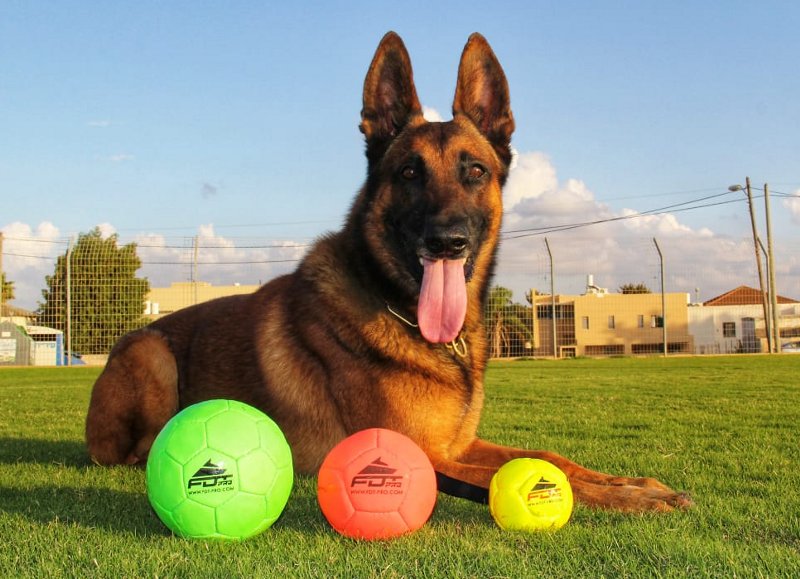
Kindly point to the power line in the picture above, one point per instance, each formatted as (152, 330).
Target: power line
(203, 246)
(254, 262)
(290, 245)
(237, 225)
(674, 208)
(145, 262)
(29, 256)
(651, 195)
(507, 235)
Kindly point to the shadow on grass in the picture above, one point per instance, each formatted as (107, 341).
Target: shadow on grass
(87, 502)
(304, 517)
(111, 510)
(37, 451)
(43, 495)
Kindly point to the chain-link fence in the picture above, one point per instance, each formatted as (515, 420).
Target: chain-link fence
(631, 296)
(69, 300)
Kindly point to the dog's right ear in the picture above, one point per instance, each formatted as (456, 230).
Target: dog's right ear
(390, 99)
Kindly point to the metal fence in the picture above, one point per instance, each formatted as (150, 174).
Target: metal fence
(558, 296)
(577, 296)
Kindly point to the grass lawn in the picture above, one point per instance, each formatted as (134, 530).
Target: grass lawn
(723, 428)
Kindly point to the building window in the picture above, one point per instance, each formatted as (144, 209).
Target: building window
(656, 322)
(585, 322)
(605, 350)
(611, 323)
(728, 329)
(640, 321)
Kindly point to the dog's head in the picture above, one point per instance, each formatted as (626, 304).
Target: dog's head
(431, 209)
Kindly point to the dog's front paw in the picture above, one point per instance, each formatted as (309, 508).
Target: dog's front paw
(681, 501)
(663, 501)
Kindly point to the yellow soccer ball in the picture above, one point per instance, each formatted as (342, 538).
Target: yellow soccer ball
(528, 494)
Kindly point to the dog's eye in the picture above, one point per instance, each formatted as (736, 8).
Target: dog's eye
(476, 172)
(409, 173)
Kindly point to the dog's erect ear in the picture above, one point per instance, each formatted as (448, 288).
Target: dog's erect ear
(482, 94)
(390, 99)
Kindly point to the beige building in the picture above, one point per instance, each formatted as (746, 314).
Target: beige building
(599, 323)
(165, 300)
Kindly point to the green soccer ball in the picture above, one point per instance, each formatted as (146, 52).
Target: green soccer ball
(219, 470)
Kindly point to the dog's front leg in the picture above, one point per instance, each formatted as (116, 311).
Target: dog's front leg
(476, 466)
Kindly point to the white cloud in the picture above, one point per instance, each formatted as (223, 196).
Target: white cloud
(220, 260)
(431, 115)
(116, 158)
(534, 198)
(664, 224)
(120, 158)
(617, 250)
(532, 175)
(29, 254)
(792, 205)
(45, 231)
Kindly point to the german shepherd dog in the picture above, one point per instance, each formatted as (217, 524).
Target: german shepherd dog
(380, 324)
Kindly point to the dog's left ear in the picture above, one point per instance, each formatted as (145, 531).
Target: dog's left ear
(390, 98)
(482, 95)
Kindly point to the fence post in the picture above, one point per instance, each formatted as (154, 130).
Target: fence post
(533, 322)
(552, 298)
(196, 244)
(68, 316)
(2, 295)
(663, 299)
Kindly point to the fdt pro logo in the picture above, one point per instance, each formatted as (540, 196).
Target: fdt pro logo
(544, 491)
(377, 477)
(210, 477)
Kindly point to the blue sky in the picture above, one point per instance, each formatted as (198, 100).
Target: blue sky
(160, 118)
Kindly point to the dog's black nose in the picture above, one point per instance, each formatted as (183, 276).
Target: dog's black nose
(446, 241)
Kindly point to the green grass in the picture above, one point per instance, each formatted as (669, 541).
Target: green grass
(723, 428)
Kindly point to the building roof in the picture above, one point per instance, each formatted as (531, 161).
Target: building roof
(743, 296)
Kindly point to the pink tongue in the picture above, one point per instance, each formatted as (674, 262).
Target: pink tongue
(442, 300)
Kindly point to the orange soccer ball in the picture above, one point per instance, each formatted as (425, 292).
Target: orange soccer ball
(376, 484)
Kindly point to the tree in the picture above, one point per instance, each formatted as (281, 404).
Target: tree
(106, 298)
(505, 322)
(8, 289)
(634, 288)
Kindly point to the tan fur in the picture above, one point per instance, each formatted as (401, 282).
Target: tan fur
(319, 349)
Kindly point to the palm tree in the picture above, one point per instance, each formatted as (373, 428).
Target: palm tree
(505, 323)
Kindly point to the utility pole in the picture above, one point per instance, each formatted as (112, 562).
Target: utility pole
(758, 263)
(773, 294)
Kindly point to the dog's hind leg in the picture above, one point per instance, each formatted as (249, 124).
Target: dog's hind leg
(132, 400)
